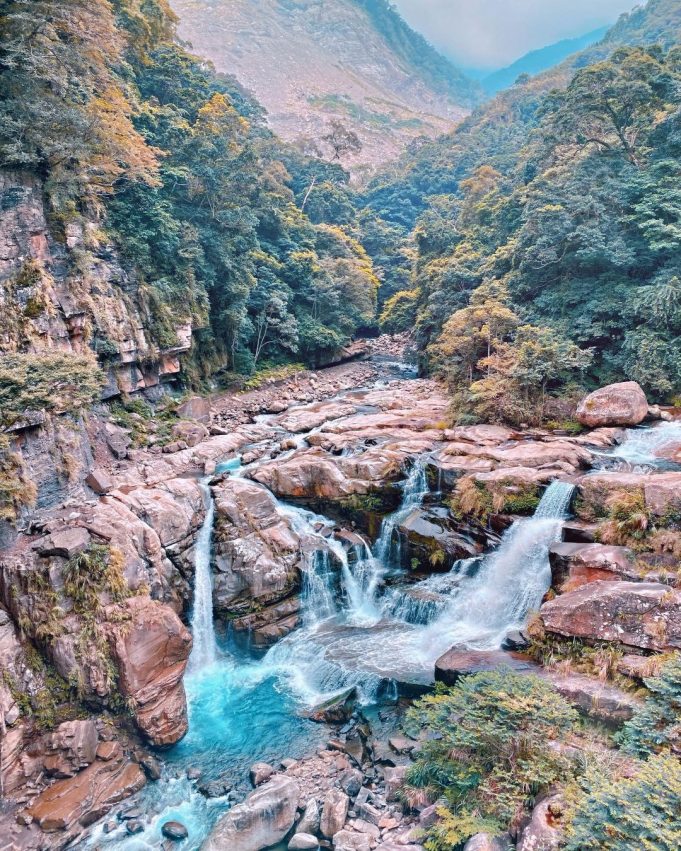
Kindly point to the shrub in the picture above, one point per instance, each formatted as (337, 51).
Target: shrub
(16, 491)
(638, 813)
(97, 570)
(487, 752)
(629, 519)
(51, 381)
(657, 724)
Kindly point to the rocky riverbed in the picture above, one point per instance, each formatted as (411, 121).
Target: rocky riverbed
(349, 518)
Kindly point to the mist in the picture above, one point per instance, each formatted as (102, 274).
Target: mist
(489, 34)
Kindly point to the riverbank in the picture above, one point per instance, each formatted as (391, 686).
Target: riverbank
(415, 542)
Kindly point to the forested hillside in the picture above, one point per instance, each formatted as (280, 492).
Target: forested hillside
(149, 161)
(556, 201)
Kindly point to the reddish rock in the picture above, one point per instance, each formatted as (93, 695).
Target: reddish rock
(192, 433)
(72, 746)
(638, 614)
(88, 796)
(457, 663)
(623, 404)
(66, 543)
(99, 480)
(573, 565)
(151, 650)
(662, 491)
(195, 408)
(598, 700)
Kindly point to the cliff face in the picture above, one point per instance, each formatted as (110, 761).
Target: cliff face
(71, 292)
(309, 61)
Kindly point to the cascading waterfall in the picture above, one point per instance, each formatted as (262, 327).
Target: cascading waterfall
(642, 445)
(204, 649)
(415, 488)
(510, 582)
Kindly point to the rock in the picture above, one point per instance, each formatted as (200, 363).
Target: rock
(368, 812)
(174, 830)
(661, 491)
(195, 408)
(334, 812)
(86, 797)
(622, 404)
(637, 667)
(260, 772)
(401, 745)
(598, 700)
(262, 820)
(134, 826)
(303, 842)
(351, 782)
(346, 840)
(151, 650)
(99, 481)
(118, 440)
(546, 828)
(309, 822)
(67, 543)
(428, 817)
(108, 750)
(456, 663)
(394, 780)
(573, 565)
(637, 614)
(151, 766)
(488, 842)
(71, 747)
(337, 709)
(191, 433)
(516, 640)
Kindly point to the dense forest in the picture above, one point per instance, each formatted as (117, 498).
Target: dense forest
(539, 239)
(176, 165)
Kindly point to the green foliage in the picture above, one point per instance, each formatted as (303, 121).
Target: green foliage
(656, 726)
(488, 750)
(628, 813)
(272, 374)
(399, 312)
(58, 382)
(566, 202)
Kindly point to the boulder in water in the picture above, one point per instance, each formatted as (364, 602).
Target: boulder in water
(262, 820)
(622, 404)
(260, 773)
(303, 842)
(174, 830)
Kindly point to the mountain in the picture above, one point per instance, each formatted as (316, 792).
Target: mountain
(311, 61)
(540, 60)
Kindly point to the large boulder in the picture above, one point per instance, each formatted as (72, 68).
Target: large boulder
(573, 565)
(262, 820)
(89, 795)
(334, 812)
(637, 614)
(151, 646)
(622, 404)
(546, 829)
(488, 842)
(459, 662)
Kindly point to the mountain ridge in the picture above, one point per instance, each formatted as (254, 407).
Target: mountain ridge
(363, 66)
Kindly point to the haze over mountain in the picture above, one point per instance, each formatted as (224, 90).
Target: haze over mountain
(309, 61)
(540, 60)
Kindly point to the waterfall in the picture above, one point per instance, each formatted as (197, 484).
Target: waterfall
(510, 582)
(414, 489)
(204, 649)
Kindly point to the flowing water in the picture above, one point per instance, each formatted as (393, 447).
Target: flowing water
(643, 449)
(355, 633)
(204, 649)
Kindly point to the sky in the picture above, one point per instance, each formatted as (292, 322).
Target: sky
(490, 34)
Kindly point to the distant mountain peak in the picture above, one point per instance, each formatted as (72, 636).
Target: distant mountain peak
(540, 60)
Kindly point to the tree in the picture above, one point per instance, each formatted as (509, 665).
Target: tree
(341, 140)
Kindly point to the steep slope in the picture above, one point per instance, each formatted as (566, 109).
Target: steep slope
(496, 133)
(310, 61)
(540, 60)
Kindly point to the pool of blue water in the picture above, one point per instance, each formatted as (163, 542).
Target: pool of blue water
(237, 716)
